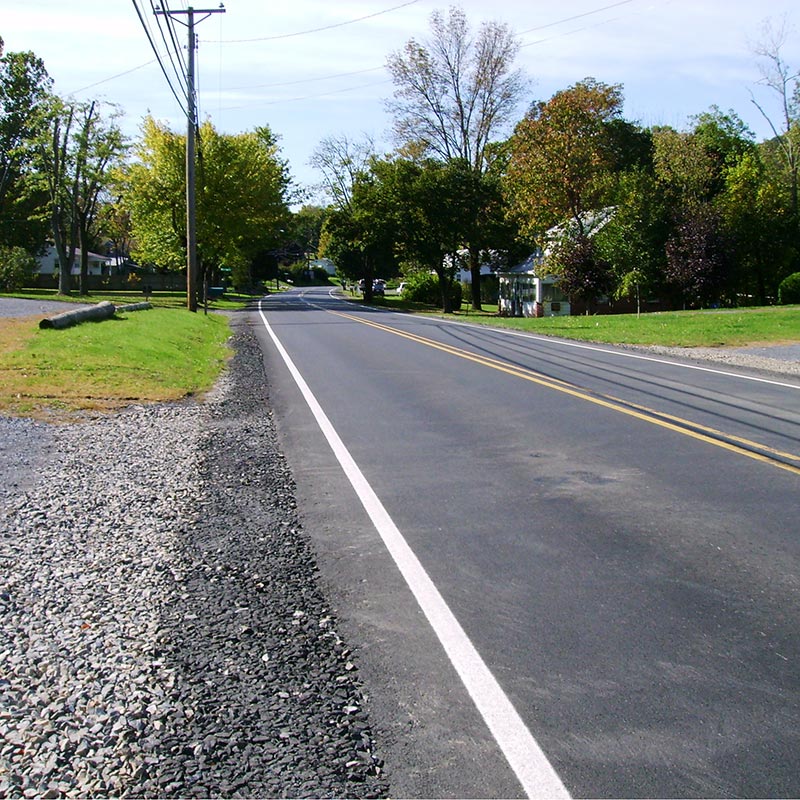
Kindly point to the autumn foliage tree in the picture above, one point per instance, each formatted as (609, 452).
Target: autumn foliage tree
(562, 154)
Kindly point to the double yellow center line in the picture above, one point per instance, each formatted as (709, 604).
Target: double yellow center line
(736, 444)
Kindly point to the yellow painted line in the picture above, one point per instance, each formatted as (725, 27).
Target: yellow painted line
(672, 423)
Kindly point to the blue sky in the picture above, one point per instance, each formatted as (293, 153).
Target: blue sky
(315, 68)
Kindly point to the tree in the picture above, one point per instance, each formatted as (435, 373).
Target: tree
(360, 237)
(75, 155)
(633, 241)
(453, 96)
(784, 82)
(99, 145)
(755, 213)
(699, 256)
(305, 227)
(56, 162)
(562, 154)
(582, 271)
(429, 208)
(242, 188)
(454, 93)
(25, 89)
(341, 160)
(17, 266)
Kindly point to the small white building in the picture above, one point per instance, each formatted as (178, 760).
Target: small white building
(324, 263)
(527, 290)
(48, 263)
(524, 293)
(491, 262)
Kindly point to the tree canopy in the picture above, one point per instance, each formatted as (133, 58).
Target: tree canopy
(242, 196)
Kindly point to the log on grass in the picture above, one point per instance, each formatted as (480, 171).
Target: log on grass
(104, 310)
(135, 307)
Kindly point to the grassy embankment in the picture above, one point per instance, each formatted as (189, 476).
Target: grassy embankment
(708, 328)
(165, 353)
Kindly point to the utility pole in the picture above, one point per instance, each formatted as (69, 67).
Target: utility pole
(191, 126)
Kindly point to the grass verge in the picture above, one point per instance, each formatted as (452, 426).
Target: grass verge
(736, 327)
(144, 356)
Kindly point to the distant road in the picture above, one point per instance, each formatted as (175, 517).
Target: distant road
(616, 535)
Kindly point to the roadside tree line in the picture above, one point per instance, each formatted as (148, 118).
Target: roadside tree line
(68, 177)
(694, 217)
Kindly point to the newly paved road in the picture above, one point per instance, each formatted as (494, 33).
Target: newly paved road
(617, 537)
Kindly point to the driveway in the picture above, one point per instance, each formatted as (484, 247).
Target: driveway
(16, 307)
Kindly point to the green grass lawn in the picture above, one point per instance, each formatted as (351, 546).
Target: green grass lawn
(709, 328)
(713, 328)
(143, 356)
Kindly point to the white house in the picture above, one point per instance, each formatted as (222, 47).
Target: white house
(491, 262)
(48, 263)
(527, 290)
(324, 263)
(524, 293)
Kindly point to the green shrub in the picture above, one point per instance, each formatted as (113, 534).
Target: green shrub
(423, 287)
(17, 267)
(789, 290)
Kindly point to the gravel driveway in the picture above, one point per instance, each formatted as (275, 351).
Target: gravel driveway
(18, 307)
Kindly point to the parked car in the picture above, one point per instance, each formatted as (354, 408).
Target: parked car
(378, 287)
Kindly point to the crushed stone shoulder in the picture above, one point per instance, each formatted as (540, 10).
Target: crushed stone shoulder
(163, 630)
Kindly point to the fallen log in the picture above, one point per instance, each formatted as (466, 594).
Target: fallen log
(104, 310)
(135, 307)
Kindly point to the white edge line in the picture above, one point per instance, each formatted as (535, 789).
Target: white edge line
(523, 753)
(621, 354)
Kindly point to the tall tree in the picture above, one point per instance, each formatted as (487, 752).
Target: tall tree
(57, 169)
(562, 154)
(99, 145)
(341, 160)
(454, 95)
(25, 88)
(699, 256)
(784, 82)
(453, 92)
(242, 190)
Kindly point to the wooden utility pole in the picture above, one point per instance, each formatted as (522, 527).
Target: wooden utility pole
(191, 128)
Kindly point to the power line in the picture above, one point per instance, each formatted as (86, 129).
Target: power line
(315, 30)
(180, 100)
(576, 16)
(172, 45)
(302, 80)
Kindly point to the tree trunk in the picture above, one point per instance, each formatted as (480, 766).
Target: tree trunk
(475, 276)
(84, 281)
(446, 286)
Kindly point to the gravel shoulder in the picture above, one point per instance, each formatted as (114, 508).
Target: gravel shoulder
(163, 628)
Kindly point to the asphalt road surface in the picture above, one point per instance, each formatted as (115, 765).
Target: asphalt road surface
(569, 569)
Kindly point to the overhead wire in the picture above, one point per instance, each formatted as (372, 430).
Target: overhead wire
(173, 48)
(222, 41)
(318, 30)
(157, 54)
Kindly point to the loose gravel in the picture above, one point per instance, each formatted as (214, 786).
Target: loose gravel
(163, 632)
